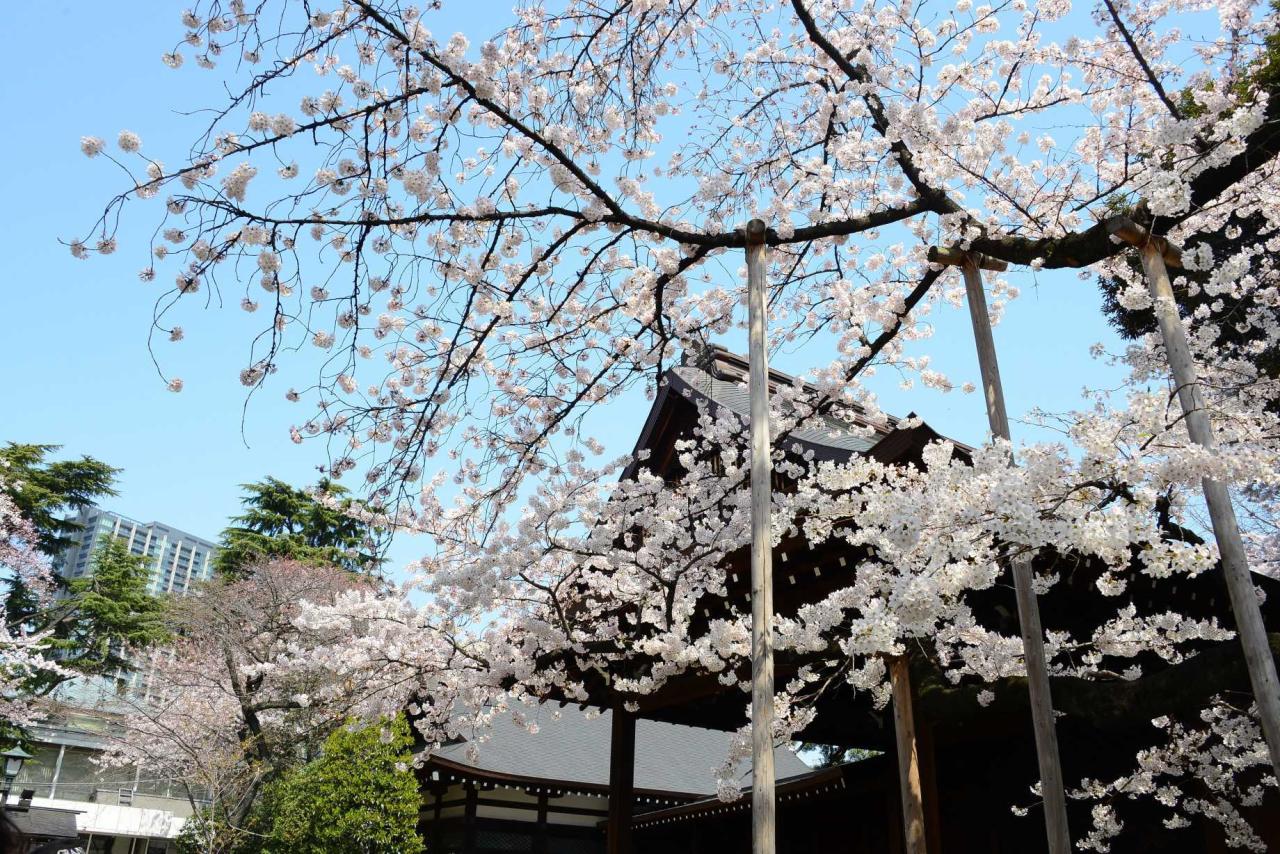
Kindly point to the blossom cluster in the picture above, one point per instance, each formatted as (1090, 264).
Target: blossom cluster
(24, 654)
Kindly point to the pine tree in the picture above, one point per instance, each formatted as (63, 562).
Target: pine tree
(48, 492)
(108, 612)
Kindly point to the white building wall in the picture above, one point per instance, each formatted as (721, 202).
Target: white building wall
(113, 820)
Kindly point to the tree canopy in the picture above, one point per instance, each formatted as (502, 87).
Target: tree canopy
(107, 613)
(281, 521)
(87, 625)
(1205, 295)
(48, 492)
(360, 796)
(230, 709)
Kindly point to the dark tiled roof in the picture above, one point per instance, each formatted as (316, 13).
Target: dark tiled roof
(732, 394)
(571, 748)
(717, 379)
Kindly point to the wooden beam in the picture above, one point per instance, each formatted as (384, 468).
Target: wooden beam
(904, 727)
(949, 256)
(762, 795)
(1135, 235)
(1046, 734)
(622, 772)
(1234, 561)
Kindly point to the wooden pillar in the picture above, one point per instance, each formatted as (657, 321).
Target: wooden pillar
(540, 842)
(1046, 733)
(893, 817)
(469, 819)
(435, 817)
(1226, 530)
(763, 830)
(904, 728)
(622, 771)
(929, 785)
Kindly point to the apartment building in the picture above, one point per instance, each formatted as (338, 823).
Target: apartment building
(178, 560)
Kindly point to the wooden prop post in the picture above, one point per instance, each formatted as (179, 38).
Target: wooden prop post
(762, 797)
(1156, 252)
(1055, 804)
(904, 727)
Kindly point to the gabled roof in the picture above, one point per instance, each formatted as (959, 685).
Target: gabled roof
(721, 378)
(570, 751)
(717, 379)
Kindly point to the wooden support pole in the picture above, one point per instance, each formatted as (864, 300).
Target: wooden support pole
(762, 795)
(622, 773)
(1046, 734)
(904, 727)
(1155, 252)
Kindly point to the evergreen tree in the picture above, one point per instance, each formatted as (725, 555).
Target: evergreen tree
(94, 618)
(280, 521)
(48, 492)
(359, 797)
(103, 614)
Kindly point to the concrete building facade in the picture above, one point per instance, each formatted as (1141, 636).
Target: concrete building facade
(178, 560)
(117, 810)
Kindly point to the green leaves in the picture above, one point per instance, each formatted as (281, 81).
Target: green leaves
(107, 612)
(98, 617)
(45, 492)
(283, 522)
(359, 797)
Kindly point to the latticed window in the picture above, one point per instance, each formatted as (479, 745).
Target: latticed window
(576, 844)
(501, 839)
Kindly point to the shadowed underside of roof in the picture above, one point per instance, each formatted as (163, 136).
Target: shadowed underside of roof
(571, 747)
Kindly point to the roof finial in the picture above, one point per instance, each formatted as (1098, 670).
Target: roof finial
(698, 352)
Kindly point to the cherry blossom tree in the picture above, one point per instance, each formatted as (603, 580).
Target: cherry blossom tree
(24, 654)
(224, 708)
(486, 241)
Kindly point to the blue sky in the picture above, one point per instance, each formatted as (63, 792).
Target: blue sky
(77, 371)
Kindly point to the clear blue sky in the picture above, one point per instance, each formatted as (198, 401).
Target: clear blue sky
(77, 371)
